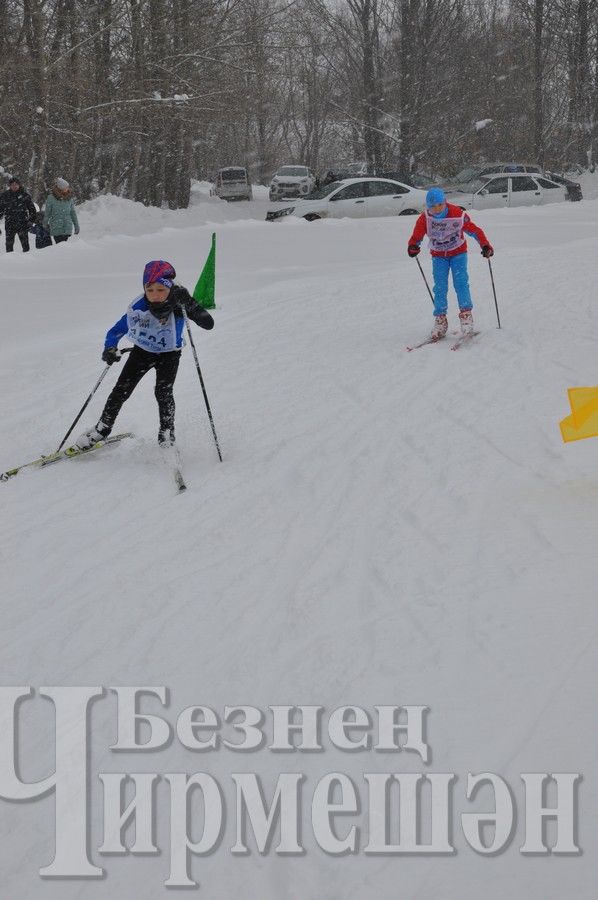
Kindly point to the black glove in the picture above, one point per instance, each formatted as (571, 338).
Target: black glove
(487, 251)
(413, 249)
(111, 355)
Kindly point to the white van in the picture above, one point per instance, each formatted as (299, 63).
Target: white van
(232, 183)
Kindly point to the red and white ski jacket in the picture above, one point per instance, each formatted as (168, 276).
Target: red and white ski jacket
(420, 230)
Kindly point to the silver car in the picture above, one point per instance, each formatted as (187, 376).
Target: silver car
(512, 189)
(474, 173)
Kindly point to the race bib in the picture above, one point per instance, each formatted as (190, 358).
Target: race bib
(150, 333)
(445, 234)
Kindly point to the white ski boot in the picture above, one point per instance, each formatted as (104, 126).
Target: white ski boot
(466, 321)
(440, 328)
(86, 440)
(166, 437)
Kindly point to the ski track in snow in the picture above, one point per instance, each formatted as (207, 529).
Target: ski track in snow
(385, 527)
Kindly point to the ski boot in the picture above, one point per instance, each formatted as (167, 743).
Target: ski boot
(86, 440)
(166, 437)
(440, 328)
(466, 321)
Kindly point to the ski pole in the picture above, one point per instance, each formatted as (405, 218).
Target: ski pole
(425, 279)
(203, 388)
(84, 407)
(494, 292)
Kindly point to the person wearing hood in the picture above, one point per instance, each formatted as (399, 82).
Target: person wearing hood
(18, 210)
(154, 322)
(445, 226)
(60, 216)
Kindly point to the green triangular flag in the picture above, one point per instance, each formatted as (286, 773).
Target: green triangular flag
(205, 289)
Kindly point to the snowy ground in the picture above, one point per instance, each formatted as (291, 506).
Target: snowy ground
(386, 528)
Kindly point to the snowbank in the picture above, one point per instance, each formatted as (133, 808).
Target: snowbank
(110, 215)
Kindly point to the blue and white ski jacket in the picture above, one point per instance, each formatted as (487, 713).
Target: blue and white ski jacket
(155, 335)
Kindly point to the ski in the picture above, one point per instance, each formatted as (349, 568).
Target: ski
(67, 453)
(178, 472)
(179, 480)
(464, 339)
(172, 457)
(429, 340)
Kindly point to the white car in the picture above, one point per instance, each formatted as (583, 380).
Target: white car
(514, 189)
(357, 198)
(292, 181)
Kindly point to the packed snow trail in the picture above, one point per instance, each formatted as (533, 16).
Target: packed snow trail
(385, 527)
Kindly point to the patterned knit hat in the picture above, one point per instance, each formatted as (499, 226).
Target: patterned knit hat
(160, 271)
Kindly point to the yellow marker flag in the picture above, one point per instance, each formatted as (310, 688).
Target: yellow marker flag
(583, 421)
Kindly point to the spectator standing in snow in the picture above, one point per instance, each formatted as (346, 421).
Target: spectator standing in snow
(18, 210)
(59, 214)
(445, 226)
(154, 322)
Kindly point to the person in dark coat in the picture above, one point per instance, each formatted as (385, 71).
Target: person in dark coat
(18, 210)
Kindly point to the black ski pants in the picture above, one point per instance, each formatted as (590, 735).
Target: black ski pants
(11, 232)
(138, 363)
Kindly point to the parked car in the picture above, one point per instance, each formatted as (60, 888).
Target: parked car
(573, 187)
(474, 173)
(292, 181)
(513, 189)
(356, 170)
(357, 198)
(232, 183)
(413, 179)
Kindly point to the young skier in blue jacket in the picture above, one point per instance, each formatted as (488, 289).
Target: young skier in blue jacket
(154, 322)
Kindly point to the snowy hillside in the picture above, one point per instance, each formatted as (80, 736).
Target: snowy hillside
(386, 528)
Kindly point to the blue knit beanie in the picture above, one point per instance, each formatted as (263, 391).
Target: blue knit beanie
(435, 196)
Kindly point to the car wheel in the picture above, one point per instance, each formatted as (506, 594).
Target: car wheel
(409, 212)
(312, 217)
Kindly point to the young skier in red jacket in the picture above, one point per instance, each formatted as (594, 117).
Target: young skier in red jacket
(445, 226)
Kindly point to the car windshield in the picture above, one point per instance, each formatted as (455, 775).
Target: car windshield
(292, 170)
(466, 175)
(233, 175)
(323, 191)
